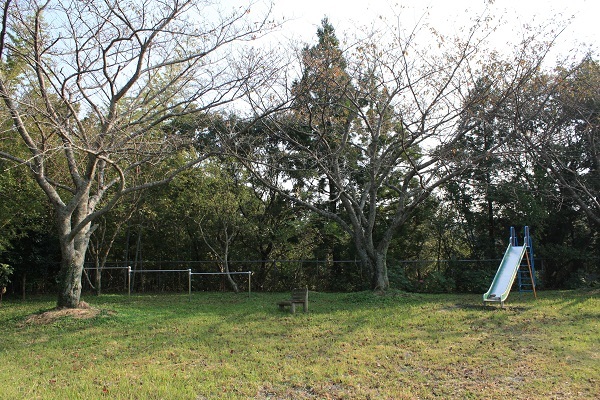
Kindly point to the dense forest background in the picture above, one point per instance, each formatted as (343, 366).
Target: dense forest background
(537, 152)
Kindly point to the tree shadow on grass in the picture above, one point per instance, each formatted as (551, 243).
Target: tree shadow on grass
(489, 308)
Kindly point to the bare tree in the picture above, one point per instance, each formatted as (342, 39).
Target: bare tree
(559, 124)
(378, 131)
(89, 86)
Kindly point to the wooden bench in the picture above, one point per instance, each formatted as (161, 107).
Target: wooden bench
(299, 296)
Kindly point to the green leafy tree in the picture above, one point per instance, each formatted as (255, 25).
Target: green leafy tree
(276, 230)
(215, 212)
(5, 273)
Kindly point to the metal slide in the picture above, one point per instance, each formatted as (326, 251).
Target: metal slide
(506, 274)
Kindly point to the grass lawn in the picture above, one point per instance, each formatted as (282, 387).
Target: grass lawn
(348, 346)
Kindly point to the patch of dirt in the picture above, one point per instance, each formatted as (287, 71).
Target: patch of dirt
(84, 311)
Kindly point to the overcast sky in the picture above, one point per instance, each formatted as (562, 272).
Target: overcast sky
(446, 15)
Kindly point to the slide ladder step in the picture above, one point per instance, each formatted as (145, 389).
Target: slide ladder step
(524, 279)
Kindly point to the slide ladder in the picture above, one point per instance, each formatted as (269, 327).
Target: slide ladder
(526, 273)
(517, 262)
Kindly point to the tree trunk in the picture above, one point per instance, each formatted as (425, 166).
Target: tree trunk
(381, 281)
(23, 284)
(98, 279)
(232, 283)
(69, 282)
(374, 260)
(73, 251)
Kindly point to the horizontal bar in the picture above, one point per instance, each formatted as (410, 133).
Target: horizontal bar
(221, 273)
(161, 270)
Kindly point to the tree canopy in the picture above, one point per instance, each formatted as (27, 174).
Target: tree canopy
(382, 149)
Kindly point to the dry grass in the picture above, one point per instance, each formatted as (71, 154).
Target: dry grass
(48, 317)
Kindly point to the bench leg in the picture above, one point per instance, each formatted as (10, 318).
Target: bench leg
(305, 307)
(293, 308)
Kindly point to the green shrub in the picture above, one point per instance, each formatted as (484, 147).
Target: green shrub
(5, 273)
(399, 280)
(582, 279)
(473, 280)
(438, 282)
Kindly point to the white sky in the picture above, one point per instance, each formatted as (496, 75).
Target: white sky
(445, 15)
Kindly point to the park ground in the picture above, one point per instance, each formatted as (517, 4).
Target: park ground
(348, 346)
